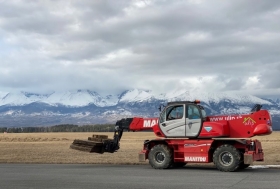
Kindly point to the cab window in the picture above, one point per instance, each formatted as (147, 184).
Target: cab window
(193, 112)
(172, 112)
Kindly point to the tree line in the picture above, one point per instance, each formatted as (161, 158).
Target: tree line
(60, 128)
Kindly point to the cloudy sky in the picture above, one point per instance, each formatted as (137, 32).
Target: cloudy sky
(111, 46)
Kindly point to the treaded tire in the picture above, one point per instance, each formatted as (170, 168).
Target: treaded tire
(227, 158)
(160, 157)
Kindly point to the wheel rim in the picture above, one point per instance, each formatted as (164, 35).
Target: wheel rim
(159, 157)
(226, 158)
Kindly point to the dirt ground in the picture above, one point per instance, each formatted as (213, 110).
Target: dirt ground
(54, 148)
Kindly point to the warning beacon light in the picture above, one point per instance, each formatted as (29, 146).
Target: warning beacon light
(196, 101)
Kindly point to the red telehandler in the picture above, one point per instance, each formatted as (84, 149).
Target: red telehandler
(186, 135)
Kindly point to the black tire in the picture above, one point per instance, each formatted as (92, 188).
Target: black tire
(178, 164)
(243, 166)
(227, 158)
(160, 157)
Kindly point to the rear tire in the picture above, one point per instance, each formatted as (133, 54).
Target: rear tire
(227, 158)
(160, 157)
(243, 166)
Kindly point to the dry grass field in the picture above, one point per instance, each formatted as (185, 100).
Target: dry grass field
(54, 148)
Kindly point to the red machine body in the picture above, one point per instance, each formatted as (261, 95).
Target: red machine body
(224, 139)
(232, 126)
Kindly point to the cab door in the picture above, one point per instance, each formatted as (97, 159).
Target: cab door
(173, 121)
(193, 121)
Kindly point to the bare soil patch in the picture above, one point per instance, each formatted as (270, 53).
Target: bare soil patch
(55, 148)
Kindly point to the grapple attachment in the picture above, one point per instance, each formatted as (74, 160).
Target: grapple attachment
(94, 144)
(101, 143)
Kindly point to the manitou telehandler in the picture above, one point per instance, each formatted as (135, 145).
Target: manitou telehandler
(186, 135)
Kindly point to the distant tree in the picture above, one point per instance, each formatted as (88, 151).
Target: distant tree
(61, 128)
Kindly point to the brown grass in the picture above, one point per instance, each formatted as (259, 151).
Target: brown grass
(54, 148)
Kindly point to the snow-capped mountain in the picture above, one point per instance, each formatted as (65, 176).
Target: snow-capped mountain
(136, 95)
(69, 98)
(88, 107)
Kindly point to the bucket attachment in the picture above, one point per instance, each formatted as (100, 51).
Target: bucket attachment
(94, 144)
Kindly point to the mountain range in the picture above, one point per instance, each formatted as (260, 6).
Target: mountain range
(22, 109)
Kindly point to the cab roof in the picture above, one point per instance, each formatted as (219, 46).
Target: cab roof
(184, 102)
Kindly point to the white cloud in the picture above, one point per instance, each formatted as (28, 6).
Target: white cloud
(109, 46)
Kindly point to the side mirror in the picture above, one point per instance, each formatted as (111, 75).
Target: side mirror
(160, 107)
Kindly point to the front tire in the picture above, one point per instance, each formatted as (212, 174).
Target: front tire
(178, 164)
(160, 157)
(227, 158)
